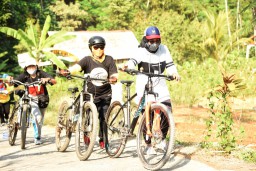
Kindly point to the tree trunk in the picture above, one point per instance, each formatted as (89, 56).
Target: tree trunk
(237, 22)
(254, 26)
(254, 21)
(229, 32)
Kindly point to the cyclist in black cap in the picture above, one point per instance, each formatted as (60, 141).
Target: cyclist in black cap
(98, 65)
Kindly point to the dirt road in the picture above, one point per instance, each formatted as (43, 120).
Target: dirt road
(45, 157)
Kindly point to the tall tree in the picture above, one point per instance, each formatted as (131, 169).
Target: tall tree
(69, 17)
(216, 44)
(119, 14)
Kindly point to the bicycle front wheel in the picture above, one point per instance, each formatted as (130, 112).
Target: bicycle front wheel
(63, 130)
(13, 125)
(154, 151)
(24, 115)
(86, 131)
(115, 119)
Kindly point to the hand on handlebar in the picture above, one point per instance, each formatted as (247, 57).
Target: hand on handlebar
(45, 80)
(176, 76)
(112, 80)
(123, 67)
(64, 72)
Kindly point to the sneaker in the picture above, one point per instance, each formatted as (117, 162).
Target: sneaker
(150, 150)
(162, 145)
(102, 145)
(86, 140)
(38, 142)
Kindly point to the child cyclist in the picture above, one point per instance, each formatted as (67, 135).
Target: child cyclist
(31, 74)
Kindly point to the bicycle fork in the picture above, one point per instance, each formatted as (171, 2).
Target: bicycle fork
(87, 117)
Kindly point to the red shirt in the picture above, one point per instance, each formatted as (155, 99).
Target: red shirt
(35, 90)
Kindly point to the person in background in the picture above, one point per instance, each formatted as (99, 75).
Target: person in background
(31, 74)
(5, 97)
(98, 65)
(153, 57)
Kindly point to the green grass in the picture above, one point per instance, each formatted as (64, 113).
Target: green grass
(247, 155)
(196, 80)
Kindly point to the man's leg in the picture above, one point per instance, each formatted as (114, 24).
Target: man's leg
(37, 122)
(6, 111)
(1, 113)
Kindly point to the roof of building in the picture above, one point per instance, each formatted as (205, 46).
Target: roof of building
(119, 44)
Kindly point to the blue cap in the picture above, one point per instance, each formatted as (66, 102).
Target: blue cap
(152, 32)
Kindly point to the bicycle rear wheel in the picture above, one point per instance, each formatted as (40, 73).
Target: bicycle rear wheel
(86, 131)
(13, 125)
(115, 119)
(161, 145)
(25, 113)
(63, 130)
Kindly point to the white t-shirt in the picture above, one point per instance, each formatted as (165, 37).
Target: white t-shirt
(155, 63)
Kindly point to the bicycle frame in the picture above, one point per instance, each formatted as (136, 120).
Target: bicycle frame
(127, 105)
(23, 113)
(130, 125)
(156, 128)
(25, 100)
(80, 99)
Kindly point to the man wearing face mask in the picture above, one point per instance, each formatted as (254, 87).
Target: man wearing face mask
(102, 66)
(31, 74)
(153, 57)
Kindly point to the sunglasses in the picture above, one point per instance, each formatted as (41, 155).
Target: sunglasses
(151, 41)
(97, 47)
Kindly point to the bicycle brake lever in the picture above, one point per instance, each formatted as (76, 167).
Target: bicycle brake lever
(69, 77)
(170, 78)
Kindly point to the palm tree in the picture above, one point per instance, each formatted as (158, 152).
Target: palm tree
(36, 45)
(216, 44)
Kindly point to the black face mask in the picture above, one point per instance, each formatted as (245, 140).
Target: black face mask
(152, 48)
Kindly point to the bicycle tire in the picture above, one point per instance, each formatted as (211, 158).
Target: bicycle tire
(157, 161)
(24, 125)
(86, 131)
(13, 127)
(115, 119)
(63, 126)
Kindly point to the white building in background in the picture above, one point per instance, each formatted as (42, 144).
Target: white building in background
(121, 45)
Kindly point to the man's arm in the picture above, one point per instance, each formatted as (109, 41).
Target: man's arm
(71, 70)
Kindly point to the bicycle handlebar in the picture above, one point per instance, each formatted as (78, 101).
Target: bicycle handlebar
(136, 72)
(87, 77)
(17, 82)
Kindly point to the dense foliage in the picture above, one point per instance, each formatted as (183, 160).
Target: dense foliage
(182, 23)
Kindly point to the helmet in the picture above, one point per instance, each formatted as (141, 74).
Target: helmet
(152, 32)
(30, 62)
(96, 40)
(5, 75)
